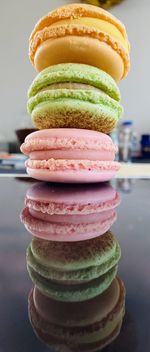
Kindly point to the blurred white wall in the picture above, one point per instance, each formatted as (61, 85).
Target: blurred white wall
(17, 19)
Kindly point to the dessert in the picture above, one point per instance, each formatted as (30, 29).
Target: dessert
(73, 271)
(76, 96)
(70, 156)
(69, 213)
(81, 33)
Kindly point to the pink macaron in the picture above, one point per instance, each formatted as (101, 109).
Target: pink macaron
(70, 156)
(67, 213)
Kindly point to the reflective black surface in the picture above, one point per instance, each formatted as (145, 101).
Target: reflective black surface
(132, 231)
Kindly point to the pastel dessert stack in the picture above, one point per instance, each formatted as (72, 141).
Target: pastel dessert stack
(80, 52)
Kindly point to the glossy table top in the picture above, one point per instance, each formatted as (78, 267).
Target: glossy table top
(133, 234)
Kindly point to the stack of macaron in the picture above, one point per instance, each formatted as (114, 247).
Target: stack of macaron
(80, 52)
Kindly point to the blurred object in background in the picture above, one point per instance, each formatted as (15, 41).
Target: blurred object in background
(12, 163)
(125, 135)
(106, 4)
(22, 133)
(129, 143)
(125, 185)
(4, 146)
(114, 136)
(136, 145)
(145, 145)
(25, 127)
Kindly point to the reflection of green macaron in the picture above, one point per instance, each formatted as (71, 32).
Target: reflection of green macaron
(74, 96)
(79, 326)
(73, 271)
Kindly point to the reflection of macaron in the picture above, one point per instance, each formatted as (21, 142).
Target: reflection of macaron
(83, 326)
(68, 228)
(73, 271)
(84, 34)
(68, 213)
(70, 155)
(76, 96)
(56, 199)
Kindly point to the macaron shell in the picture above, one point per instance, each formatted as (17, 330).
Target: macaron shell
(69, 218)
(72, 293)
(82, 49)
(71, 154)
(59, 345)
(77, 314)
(72, 277)
(74, 256)
(69, 140)
(71, 134)
(73, 176)
(55, 199)
(76, 112)
(67, 232)
(79, 11)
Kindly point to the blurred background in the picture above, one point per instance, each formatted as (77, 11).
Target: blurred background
(17, 20)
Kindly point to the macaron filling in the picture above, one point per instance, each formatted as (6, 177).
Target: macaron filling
(69, 85)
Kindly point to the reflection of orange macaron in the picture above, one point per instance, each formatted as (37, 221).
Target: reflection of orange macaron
(84, 34)
(82, 326)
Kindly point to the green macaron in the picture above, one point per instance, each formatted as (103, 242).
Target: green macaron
(73, 271)
(74, 96)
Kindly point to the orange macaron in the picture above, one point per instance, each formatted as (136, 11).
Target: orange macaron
(81, 33)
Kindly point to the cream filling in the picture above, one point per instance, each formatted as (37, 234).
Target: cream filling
(70, 85)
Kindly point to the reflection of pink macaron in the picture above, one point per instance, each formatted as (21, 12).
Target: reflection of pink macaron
(70, 155)
(67, 213)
